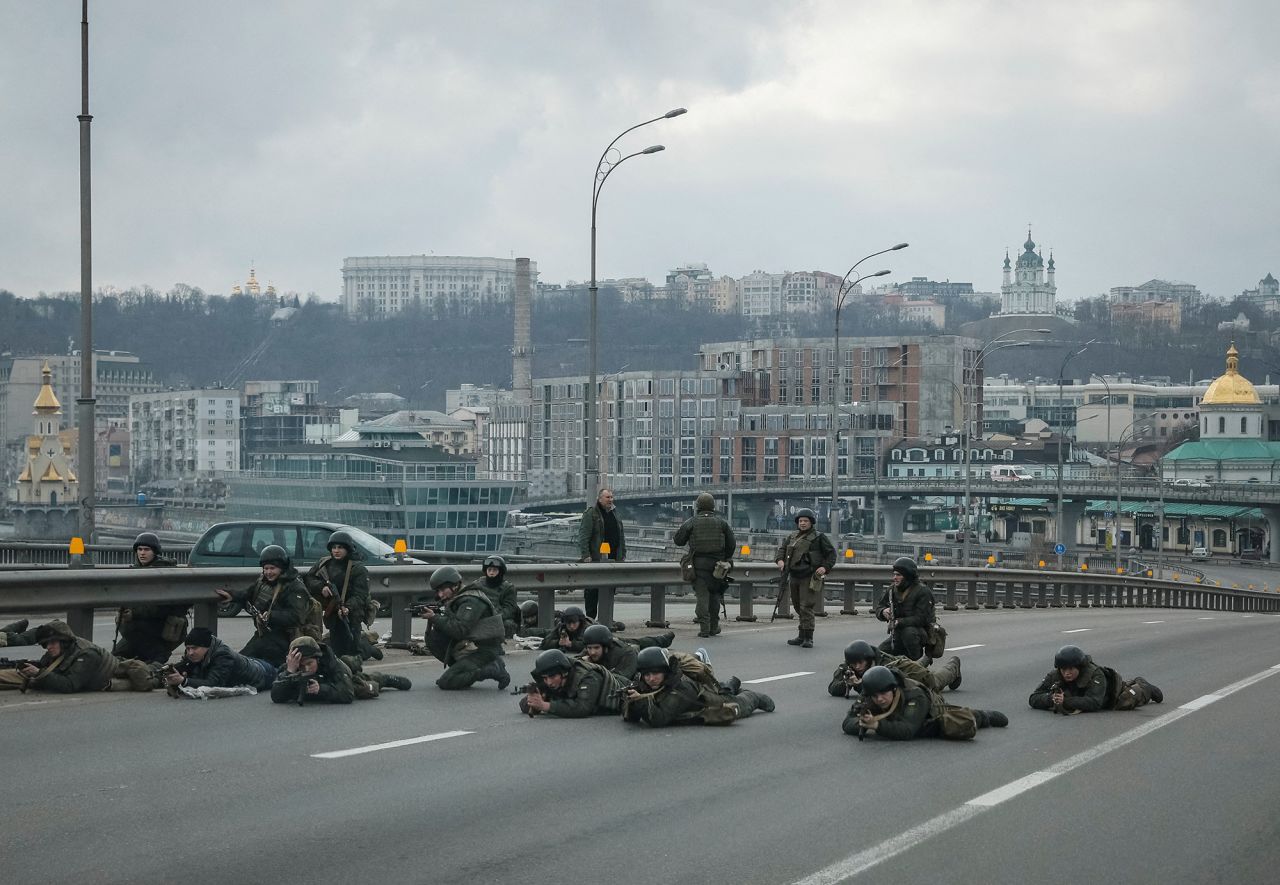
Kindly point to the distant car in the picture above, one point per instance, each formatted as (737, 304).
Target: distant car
(1200, 553)
(1010, 474)
(239, 543)
(1256, 554)
(1190, 482)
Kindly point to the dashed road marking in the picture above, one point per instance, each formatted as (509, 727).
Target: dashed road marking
(1206, 619)
(1153, 622)
(963, 647)
(776, 678)
(1078, 630)
(389, 745)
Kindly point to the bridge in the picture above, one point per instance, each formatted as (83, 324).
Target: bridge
(898, 495)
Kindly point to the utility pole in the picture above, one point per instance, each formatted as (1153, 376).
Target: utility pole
(85, 402)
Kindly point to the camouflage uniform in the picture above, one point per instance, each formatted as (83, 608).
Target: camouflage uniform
(918, 712)
(285, 605)
(142, 626)
(913, 613)
(502, 593)
(803, 554)
(467, 660)
(936, 678)
(588, 690)
(349, 581)
(683, 699)
(332, 675)
(1096, 688)
(82, 666)
(710, 540)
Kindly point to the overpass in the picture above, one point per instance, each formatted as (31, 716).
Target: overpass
(898, 495)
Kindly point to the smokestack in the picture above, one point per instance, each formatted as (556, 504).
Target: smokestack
(522, 352)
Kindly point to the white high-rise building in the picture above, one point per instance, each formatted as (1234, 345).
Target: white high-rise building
(380, 286)
(184, 434)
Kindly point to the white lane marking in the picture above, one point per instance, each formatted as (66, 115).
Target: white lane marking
(1153, 622)
(1078, 630)
(963, 647)
(862, 861)
(1206, 619)
(776, 678)
(389, 745)
(42, 703)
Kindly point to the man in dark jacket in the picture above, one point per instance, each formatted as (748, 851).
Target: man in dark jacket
(600, 526)
(208, 661)
(1077, 685)
(710, 541)
(900, 709)
(312, 674)
(600, 646)
(676, 688)
(464, 631)
(150, 631)
(281, 603)
(566, 633)
(341, 585)
(859, 657)
(501, 592)
(804, 559)
(70, 664)
(907, 606)
(572, 688)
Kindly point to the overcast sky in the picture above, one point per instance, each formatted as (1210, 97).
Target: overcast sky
(1140, 139)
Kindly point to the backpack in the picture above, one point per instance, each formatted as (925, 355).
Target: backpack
(935, 645)
(687, 574)
(958, 723)
(313, 620)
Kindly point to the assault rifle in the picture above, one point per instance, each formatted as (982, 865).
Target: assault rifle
(529, 689)
(859, 707)
(161, 674)
(783, 582)
(18, 664)
(259, 619)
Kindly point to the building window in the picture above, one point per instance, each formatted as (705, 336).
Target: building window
(1244, 425)
(1222, 425)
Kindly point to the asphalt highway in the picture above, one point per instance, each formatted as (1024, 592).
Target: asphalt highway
(109, 788)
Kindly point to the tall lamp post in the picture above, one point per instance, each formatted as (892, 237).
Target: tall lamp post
(875, 474)
(997, 343)
(609, 161)
(85, 402)
(1133, 436)
(1057, 522)
(846, 286)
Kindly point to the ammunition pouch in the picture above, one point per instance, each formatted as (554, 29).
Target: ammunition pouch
(958, 723)
(174, 630)
(935, 642)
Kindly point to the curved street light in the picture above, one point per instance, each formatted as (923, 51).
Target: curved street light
(1057, 521)
(604, 168)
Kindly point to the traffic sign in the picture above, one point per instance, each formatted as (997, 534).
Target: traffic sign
(1110, 514)
(1059, 549)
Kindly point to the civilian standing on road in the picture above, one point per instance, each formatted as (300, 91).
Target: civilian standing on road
(711, 543)
(150, 631)
(804, 559)
(600, 525)
(1077, 685)
(908, 613)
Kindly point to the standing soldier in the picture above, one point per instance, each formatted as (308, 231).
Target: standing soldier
(859, 657)
(900, 709)
(341, 585)
(571, 688)
(501, 592)
(675, 688)
(149, 631)
(600, 525)
(710, 541)
(464, 632)
(907, 607)
(1077, 685)
(280, 606)
(804, 560)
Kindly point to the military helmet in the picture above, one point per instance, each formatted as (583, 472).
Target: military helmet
(703, 502)
(878, 679)
(806, 513)
(147, 539)
(343, 538)
(497, 562)
(597, 634)
(528, 609)
(305, 646)
(859, 651)
(1069, 656)
(653, 660)
(274, 554)
(906, 566)
(550, 662)
(445, 576)
(573, 613)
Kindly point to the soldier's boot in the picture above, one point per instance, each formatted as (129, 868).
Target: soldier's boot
(799, 640)
(400, 683)
(732, 685)
(990, 718)
(367, 648)
(750, 701)
(955, 683)
(617, 627)
(665, 639)
(503, 677)
(1153, 693)
(807, 642)
(15, 627)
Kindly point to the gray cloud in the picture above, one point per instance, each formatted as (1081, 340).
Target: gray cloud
(1138, 137)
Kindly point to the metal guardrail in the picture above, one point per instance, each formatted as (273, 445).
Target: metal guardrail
(78, 592)
(24, 553)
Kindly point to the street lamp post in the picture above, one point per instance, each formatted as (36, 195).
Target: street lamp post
(1119, 447)
(1057, 522)
(875, 473)
(604, 168)
(85, 403)
(846, 286)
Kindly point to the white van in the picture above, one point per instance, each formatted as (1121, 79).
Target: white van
(1010, 474)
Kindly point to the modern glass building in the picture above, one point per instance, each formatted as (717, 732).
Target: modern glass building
(431, 499)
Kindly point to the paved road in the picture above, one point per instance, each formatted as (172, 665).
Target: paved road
(130, 788)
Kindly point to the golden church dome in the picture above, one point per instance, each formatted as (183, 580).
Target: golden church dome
(1231, 389)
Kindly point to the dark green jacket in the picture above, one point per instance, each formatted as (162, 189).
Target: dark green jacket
(1090, 692)
(914, 608)
(552, 639)
(503, 597)
(146, 619)
(457, 622)
(287, 614)
(907, 667)
(805, 552)
(334, 677)
(590, 690)
(709, 537)
(82, 666)
(591, 534)
(334, 572)
(913, 718)
(619, 658)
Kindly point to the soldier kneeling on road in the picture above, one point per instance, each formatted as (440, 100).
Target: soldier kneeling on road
(861, 656)
(69, 664)
(600, 646)
(676, 688)
(464, 631)
(210, 662)
(900, 709)
(1077, 685)
(571, 687)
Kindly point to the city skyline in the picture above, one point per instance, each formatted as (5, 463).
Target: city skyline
(1136, 138)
